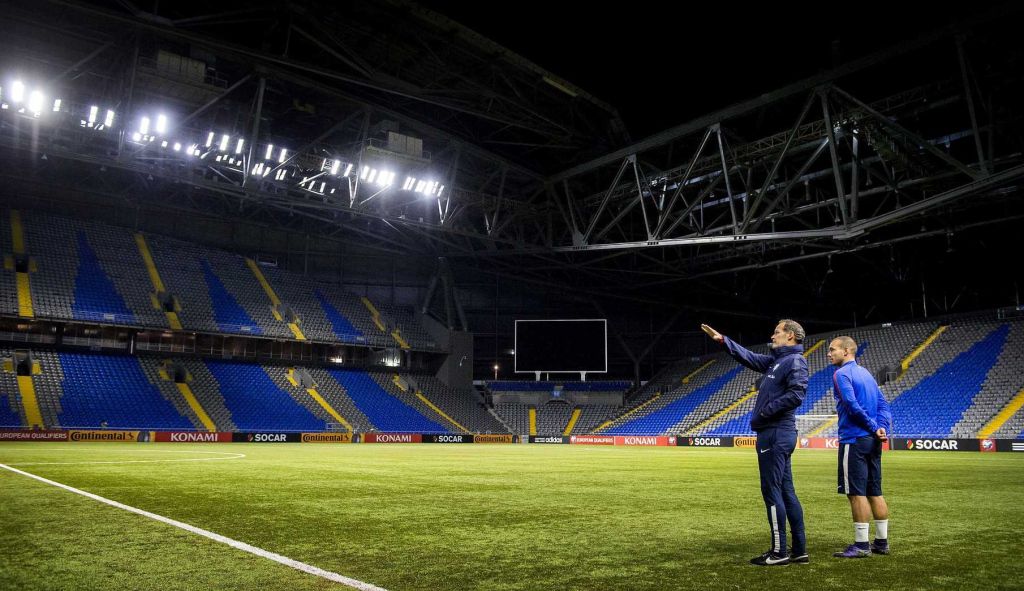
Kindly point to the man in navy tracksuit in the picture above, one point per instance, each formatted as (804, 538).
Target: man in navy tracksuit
(864, 423)
(774, 420)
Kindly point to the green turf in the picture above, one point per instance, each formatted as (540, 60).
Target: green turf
(511, 517)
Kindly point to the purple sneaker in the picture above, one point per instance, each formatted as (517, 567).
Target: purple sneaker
(880, 547)
(852, 551)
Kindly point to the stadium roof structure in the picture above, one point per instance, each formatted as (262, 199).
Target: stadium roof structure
(397, 129)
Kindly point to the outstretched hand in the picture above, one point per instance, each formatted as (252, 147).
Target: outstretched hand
(714, 334)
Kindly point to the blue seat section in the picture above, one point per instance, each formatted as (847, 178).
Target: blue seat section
(8, 416)
(113, 389)
(95, 296)
(662, 419)
(341, 325)
(228, 314)
(936, 403)
(386, 412)
(256, 403)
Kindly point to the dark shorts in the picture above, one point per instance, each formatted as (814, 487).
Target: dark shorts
(860, 467)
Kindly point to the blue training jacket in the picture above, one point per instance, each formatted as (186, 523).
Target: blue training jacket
(861, 406)
(783, 387)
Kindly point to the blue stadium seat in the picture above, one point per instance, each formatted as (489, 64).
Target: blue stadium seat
(255, 401)
(111, 389)
(385, 411)
(662, 419)
(343, 328)
(95, 296)
(230, 316)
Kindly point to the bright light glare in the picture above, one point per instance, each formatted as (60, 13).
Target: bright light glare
(209, 140)
(93, 112)
(270, 152)
(335, 166)
(224, 143)
(238, 147)
(17, 91)
(109, 121)
(56, 105)
(161, 123)
(284, 154)
(35, 101)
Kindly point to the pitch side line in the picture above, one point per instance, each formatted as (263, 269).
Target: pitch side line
(302, 566)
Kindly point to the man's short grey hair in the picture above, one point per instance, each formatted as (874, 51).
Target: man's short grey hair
(794, 327)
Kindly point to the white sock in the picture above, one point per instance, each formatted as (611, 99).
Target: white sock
(881, 529)
(860, 532)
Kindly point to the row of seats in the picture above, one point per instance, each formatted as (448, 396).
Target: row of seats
(95, 272)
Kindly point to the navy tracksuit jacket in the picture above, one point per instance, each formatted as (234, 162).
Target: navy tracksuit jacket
(781, 392)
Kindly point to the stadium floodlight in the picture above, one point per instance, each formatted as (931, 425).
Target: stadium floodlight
(284, 155)
(258, 169)
(323, 186)
(280, 175)
(224, 142)
(56, 105)
(408, 183)
(373, 175)
(420, 185)
(270, 152)
(348, 169)
(440, 190)
(109, 120)
(161, 123)
(386, 178)
(163, 144)
(17, 91)
(137, 136)
(35, 102)
(144, 126)
(93, 113)
(335, 167)
(177, 147)
(209, 140)
(238, 146)
(366, 173)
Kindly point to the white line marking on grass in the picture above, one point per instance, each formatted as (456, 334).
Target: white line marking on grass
(302, 566)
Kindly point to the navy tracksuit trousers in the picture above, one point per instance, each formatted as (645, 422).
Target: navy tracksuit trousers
(775, 447)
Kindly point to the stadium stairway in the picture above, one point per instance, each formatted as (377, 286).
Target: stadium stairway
(161, 299)
(160, 373)
(206, 389)
(334, 393)
(20, 263)
(576, 412)
(301, 389)
(276, 308)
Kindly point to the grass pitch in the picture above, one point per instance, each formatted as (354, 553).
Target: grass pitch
(501, 517)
